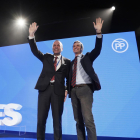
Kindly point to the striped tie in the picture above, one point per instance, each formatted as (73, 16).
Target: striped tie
(73, 81)
(55, 65)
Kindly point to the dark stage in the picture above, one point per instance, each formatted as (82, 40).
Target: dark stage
(11, 135)
(115, 107)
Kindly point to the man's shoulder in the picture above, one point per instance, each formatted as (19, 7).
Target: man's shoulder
(86, 55)
(48, 54)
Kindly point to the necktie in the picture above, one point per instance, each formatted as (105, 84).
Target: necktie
(55, 65)
(73, 81)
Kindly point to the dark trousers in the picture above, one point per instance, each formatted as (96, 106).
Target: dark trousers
(45, 99)
(82, 99)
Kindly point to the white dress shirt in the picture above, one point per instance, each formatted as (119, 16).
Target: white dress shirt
(81, 76)
(59, 61)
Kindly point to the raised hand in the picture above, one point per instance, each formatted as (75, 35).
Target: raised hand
(32, 29)
(98, 25)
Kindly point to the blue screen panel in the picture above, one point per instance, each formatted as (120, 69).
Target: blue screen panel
(115, 107)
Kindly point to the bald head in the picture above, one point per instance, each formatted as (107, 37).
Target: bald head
(57, 47)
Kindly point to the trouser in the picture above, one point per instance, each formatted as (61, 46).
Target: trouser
(82, 99)
(45, 99)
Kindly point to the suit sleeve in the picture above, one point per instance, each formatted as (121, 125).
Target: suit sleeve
(35, 50)
(96, 51)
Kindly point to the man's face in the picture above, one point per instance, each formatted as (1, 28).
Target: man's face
(56, 48)
(77, 48)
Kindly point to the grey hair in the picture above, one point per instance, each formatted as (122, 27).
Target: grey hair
(61, 45)
(77, 41)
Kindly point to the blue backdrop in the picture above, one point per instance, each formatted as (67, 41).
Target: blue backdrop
(116, 105)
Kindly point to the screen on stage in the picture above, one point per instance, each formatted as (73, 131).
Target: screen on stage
(115, 107)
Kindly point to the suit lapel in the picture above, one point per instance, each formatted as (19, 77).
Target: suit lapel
(50, 61)
(72, 63)
(82, 56)
(71, 66)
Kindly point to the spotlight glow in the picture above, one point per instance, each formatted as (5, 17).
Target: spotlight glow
(21, 22)
(113, 8)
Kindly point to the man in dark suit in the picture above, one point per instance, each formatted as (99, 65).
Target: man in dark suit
(83, 82)
(50, 85)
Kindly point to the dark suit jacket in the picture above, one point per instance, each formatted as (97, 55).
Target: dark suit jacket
(86, 62)
(48, 70)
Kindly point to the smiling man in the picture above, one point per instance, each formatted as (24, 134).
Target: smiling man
(83, 82)
(51, 85)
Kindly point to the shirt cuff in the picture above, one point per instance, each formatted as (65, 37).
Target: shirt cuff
(30, 37)
(99, 36)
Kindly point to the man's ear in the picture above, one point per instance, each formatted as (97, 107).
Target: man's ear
(61, 49)
(81, 49)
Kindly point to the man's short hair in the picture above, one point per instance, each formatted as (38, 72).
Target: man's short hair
(61, 45)
(77, 41)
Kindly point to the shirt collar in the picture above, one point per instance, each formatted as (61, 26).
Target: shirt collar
(59, 56)
(80, 55)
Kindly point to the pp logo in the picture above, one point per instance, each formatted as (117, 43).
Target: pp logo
(120, 45)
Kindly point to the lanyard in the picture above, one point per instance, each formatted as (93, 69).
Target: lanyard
(58, 61)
